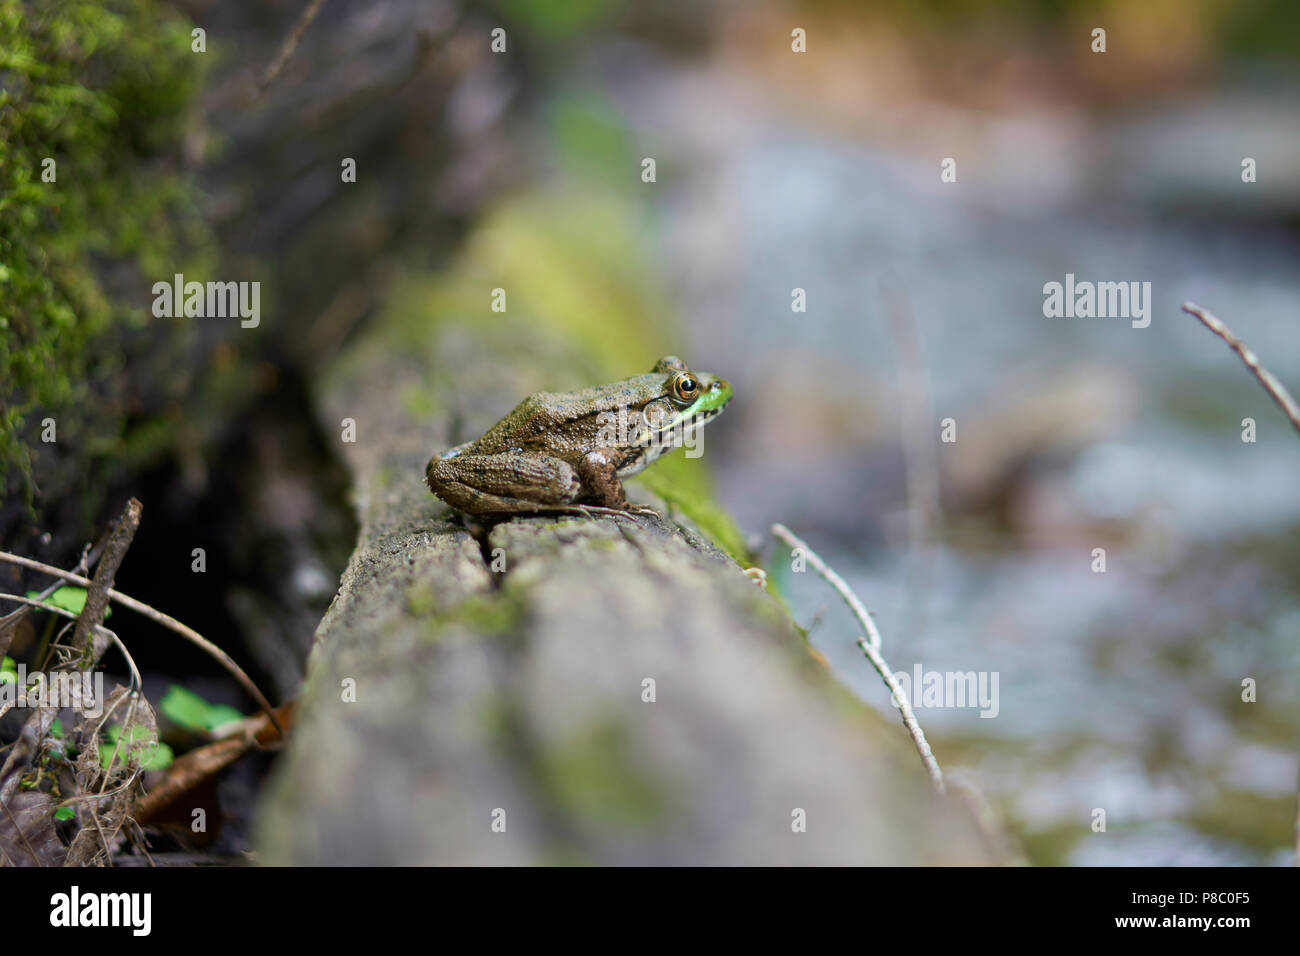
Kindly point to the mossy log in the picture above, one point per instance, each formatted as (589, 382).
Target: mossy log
(504, 717)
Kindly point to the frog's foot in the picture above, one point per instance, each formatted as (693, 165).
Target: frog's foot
(645, 510)
(593, 510)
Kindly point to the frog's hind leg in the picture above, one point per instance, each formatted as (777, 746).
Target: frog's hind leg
(503, 484)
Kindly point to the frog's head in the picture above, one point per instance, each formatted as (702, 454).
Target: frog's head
(686, 400)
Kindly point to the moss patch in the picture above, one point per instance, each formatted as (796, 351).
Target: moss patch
(93, 102)
(591, 778)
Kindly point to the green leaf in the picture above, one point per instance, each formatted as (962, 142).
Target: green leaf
(160, 757)
(65, 813)
(70, 598)
(150, 756)
(193, 712)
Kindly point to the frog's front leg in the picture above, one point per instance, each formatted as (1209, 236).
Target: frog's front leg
(602, 485)
(504, 483)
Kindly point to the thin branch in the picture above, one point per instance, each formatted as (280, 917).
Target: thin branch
(1276, 390)
(871, 648)
(290, 44)
(191, 635)
(92, 613)
(833, 579)
(905, 709)
(136, 680)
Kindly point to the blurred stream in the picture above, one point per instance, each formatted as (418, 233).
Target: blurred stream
(1119, 690)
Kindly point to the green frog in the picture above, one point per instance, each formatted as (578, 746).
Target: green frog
(569, 451)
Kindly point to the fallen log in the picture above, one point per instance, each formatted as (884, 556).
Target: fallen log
(563, 689)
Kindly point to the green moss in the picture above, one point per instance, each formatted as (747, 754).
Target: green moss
(101, 89)
(592, 778)
(420, 600)
(496, 614)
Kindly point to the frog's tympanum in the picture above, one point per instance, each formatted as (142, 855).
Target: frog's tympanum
(568, 451)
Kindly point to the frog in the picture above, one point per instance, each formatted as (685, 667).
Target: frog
(569, 452)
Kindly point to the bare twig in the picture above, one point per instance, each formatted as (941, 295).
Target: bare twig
(84, 645)
(833, 579)
(290, 44)
(9, 623)
(191, 635)
(1276, 390)
(905, 709)
(871, 648)
(92, 613)
(99, 628)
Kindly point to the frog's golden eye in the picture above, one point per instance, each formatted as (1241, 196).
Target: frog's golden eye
(685, 387)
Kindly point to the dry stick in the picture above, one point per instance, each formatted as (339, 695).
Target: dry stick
(191, 635)
(88, 622)
(290, 44)
(100, 629)
(9, 623)
(833, 579)
(88, 556)
(92, 613)
(1276, 390)
(871, 648)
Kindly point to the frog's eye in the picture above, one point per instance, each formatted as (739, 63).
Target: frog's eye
(685, 387)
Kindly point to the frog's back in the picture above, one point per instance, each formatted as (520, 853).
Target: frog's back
(547, 415)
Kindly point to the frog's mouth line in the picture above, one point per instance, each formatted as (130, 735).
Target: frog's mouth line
(667, 437)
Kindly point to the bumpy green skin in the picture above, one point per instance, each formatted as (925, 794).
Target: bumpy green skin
(567, 451)
(101, 88)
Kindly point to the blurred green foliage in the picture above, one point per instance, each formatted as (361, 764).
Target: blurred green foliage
(592, 140)
(101, 88)
(142, 749)
(193, 712)
(555, 21)
(1236, 28)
